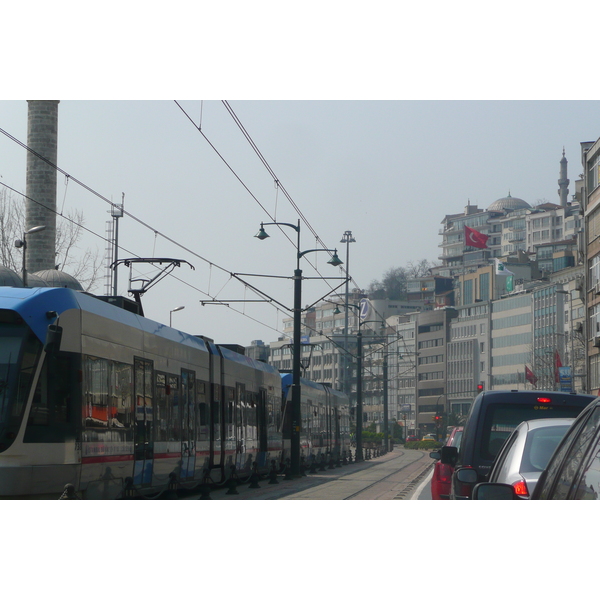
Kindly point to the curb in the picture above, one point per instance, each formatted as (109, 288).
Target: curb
(408, 490)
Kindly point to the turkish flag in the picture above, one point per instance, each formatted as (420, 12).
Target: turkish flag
(530, 375)
(475, 239)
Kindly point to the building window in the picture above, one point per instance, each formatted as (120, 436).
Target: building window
(484, 286)
(468, 291)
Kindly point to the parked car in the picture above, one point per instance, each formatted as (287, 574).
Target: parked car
(573, 472)
(526, 453)
(429, 437)
(491, 420)
(442, 472)
(412, 438)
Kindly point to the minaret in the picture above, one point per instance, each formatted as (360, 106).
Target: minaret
(563, 182)
(40, 208)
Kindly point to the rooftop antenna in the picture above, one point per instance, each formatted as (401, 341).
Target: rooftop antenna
(116, 213)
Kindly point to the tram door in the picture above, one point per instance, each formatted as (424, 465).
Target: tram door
(188, 421)
(144, 435)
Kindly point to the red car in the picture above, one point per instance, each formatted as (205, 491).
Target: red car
(442, 473)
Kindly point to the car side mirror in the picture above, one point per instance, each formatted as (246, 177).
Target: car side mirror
(448, 455)
(494, 491)
(466, 475)
(436, 454)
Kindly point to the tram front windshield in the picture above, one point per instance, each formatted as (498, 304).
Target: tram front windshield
(19, 352)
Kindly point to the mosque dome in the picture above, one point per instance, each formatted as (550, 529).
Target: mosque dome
(9, 278)
(508, 203)
(35, 281)
(54, 278)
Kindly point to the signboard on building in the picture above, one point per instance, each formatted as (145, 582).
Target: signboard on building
(365, 309)
(565, 379)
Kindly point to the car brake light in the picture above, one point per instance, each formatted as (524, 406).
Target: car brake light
(544, 400)
(520, 488)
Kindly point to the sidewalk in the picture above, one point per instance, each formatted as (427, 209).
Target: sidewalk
(333, 484)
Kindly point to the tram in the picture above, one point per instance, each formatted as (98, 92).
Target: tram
(96, 395)
(325, 414)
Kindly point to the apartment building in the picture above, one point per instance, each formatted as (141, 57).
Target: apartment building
(591, 165)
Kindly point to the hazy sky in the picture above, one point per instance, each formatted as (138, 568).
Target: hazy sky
(386, 170)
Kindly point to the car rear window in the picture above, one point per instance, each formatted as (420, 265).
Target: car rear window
(540, 445)
(456, 439)
(501, 419)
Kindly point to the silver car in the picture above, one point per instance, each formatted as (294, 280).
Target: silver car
(526, 453)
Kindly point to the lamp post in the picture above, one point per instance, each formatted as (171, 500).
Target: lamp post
(385, 404)
(359, 403)
(171, 314)
(347, 239)
(23, 244)
(296, 365)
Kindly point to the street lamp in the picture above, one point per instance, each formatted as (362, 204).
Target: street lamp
(296, 364)
(171, 314)
(23, 244)
(347, 239)
(359, 388)
(359, 385)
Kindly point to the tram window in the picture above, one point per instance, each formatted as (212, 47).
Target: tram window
(121, 404)
(216, 415)
(107, 393)
(173, 402)
(95, 377)
(9, 352)
(52, 415)
(161, 408)
(273, 414)
(252, 420)
(203, 413)
(229, 413)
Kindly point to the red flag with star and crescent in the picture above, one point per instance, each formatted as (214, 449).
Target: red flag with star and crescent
(474, 238)
(530, 375)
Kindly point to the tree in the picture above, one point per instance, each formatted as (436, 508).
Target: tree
(86, 269)
(393, 285)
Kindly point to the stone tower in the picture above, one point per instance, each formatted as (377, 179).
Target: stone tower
(563, 182)
(40, 208)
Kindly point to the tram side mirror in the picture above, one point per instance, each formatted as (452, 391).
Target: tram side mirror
(53, 339)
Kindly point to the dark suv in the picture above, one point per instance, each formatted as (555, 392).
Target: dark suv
(573, 472)
(492, 418)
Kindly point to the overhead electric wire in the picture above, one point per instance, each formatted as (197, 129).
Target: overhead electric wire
(112, 204)
(69, 177)
(193, 287)
(271, 172)
(95, 193)
(166, 237)
(274, 176)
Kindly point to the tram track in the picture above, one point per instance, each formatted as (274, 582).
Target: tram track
(389, 477)
(414, 470)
